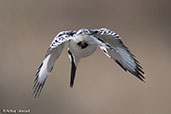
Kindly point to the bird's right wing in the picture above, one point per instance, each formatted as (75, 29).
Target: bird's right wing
(52, 55)
(116, 50)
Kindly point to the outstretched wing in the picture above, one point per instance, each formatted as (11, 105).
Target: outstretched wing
(118, 51)
(52, 55)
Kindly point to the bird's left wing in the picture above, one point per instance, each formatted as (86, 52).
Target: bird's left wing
(116, 50)
(51, 56)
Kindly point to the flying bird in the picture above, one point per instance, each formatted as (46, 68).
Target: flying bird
(83, 43)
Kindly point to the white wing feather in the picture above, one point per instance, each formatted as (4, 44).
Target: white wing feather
(52, 55)
(118, 51)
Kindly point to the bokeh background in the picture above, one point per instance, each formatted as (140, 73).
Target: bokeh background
(27, 28)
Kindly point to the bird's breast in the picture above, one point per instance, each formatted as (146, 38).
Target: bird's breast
(82, 46)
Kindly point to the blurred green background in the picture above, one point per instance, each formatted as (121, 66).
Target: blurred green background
(27, 28)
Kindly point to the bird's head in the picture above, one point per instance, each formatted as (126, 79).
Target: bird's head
(83, 32)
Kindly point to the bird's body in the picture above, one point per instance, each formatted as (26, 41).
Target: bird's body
(83, 43)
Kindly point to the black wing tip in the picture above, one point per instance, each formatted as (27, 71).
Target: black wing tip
(140, 76)
(37, 88)
(139, 73)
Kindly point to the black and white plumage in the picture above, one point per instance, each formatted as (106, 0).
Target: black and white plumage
(83, 43)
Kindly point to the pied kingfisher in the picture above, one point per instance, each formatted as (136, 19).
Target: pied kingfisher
(83, 43)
